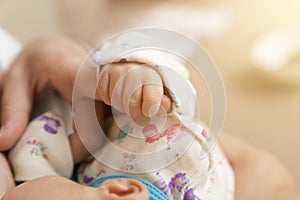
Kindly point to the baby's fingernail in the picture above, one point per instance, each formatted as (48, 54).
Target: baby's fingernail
(153, 110)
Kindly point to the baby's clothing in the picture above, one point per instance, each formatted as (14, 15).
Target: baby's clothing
(44, 148)
(172, 152)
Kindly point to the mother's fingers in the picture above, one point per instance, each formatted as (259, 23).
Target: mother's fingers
(50, 60)
(15, 105)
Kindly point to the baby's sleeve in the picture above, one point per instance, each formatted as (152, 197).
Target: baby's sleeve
(172, 68)
(113, 51)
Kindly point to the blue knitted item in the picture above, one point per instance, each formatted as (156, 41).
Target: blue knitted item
(155, 193)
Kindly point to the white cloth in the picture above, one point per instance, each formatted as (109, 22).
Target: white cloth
(41, 150)
(194, 173)
(44, 147)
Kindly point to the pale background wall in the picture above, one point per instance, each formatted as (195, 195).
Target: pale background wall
(263, 111)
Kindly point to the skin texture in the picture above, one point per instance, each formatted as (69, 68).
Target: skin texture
(6, 180)
(59, 188)
(54, 61)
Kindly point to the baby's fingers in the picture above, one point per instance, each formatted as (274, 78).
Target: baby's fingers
(102, 93)
(152, 96)
(135, 103)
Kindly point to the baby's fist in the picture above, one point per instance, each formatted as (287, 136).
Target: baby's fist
(132, 88)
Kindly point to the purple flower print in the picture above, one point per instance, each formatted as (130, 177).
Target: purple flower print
(127, 167)
(189, 195)
(51, 125)
(180, 180)
(166, 188)
(34, 151)
(87, 179)
(38, 148)
(128, 156)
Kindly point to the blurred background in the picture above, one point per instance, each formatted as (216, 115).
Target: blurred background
(255, 45)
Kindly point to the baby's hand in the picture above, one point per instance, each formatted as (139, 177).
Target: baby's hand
(133, 88)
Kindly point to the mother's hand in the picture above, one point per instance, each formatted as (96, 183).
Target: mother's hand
(43, 62)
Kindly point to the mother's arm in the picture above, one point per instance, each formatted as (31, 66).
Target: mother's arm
(259, 175)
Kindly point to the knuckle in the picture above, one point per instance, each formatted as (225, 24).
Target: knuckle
(101, 94)
(152, 98)
(134, 101)
(115, 71)
(101, 89)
